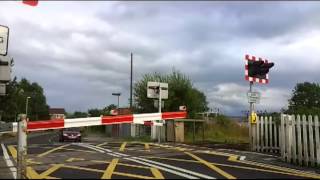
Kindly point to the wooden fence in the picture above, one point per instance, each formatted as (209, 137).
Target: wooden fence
(296, 138)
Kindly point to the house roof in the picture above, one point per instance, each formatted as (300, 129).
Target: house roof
(57, 111)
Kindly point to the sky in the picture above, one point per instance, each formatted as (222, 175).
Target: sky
(79, 51)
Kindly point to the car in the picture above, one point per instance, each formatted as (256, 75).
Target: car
(70, 134)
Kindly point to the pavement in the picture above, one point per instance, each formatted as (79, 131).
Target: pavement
(97, 158)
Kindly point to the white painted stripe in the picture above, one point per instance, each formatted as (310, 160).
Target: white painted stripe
(9, 162)
(103, 149)
(242, 158)
(163, 168)
(81, 122)
(176, 168)
(85, 145)
(112, 154)
(120, 154)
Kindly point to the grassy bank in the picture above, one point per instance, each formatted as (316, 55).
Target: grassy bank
(219, 130)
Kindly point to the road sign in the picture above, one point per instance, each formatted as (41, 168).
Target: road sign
(153, 90)
(253, 97)
(4, 38)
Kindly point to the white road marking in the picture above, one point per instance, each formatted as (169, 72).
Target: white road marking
(242, 158)
(111, 154)
(9, 162)
(120, 154)
(163, 168)
(87, 146)
(176, 168)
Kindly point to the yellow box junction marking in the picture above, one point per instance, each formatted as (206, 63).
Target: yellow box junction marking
(52, 150)
(157, 174)
(132, 175)
(147, 147)
(123, 146)
(54, 168)
(13, 152)
(110, 169)
(32, 174)
(211, 166)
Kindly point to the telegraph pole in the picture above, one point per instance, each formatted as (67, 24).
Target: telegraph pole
(131, 84)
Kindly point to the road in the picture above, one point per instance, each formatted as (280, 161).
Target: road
(95, 159)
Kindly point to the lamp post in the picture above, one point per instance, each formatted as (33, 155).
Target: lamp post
(27, 105)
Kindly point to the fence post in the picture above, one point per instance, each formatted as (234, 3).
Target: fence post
(283, 140)
(305, 141)
(262, 134)
(270, 135)
(288, 124)
(22, 148)
(299, 140)
(275, 130)
(258, 134)
(316, 124)
(311, 139)
(294, 142)
(266, 133)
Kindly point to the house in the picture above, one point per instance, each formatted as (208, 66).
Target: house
(57, 113)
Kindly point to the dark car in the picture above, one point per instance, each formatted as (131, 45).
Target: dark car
(70, 134)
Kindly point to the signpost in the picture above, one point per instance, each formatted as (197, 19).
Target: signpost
(4, 39)
(256, 70)
(157, 90)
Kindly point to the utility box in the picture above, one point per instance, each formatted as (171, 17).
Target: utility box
(5, 69)
(179, 131)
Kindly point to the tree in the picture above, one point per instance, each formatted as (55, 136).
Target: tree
(181, 92)
(15, 102)
(305, 99)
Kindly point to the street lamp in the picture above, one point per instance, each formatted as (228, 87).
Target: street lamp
(27, 105)
(117, 94)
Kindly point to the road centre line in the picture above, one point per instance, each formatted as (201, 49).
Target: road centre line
(9, 162)
(52, 150)
(111, 154)
(87, 146)
(163, 168)
(110, 169)
(176, 168)
(213, 167)
(103, 149)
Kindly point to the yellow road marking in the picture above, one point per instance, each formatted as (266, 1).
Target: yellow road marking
(99, 145)
(70, 149)
(211, 166)
(147, 147)
(281, 169)
(233, 158)
(123, 146)
(109, 171)
(52, 150)
(50, 177)
(132, 175)
(50, 171)
(30, 161)
(82, 168)
(227, 165)
(32, 174)
(157, 174)
(13, 151)
(122, 164)
(74, 159)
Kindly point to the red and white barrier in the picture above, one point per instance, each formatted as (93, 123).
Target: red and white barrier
(103, 120)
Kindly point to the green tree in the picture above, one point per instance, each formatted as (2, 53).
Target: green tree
(305, 99)
(181, 92)
(15, 101)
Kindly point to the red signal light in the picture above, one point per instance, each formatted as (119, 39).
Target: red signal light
(31, 2)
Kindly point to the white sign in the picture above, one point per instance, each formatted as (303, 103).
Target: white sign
(182, 108)
(4, 37)
(253, 97)
(153, 90)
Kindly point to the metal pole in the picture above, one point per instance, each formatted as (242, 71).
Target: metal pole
(250, 126)
(131, 83)
(159, 128)
(194, 130)
(27, 106)
(22, 147)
